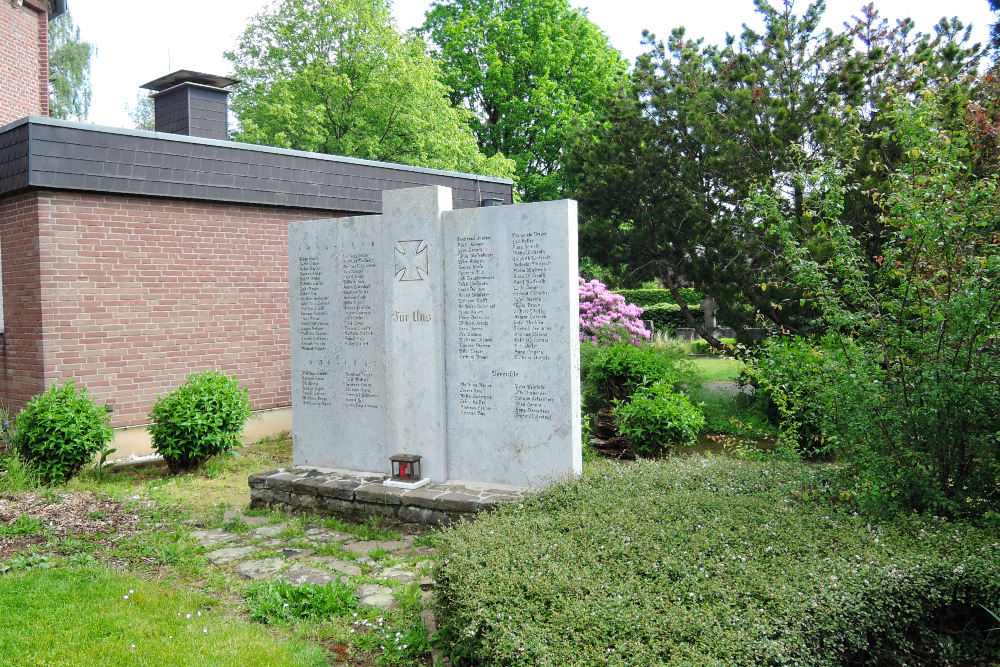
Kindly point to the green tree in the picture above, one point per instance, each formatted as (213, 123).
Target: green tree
(528, 70)
(903, 379)
(335, 76)
(143, 114)
(664, 173)
(69, 70)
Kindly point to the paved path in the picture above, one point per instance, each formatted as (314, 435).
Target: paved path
(255, 548)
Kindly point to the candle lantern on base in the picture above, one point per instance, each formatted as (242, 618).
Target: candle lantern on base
(406, 472)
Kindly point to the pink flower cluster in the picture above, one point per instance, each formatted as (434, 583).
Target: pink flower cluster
(604, 315)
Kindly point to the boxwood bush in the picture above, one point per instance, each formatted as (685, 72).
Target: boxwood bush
(713, 561)
(202, 418)
(59, 431)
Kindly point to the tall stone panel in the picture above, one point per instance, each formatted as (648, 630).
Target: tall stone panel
(449, 334)
(513, 343)
(338, 344)
(414, 309)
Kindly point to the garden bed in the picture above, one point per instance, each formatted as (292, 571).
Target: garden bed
(713, 561)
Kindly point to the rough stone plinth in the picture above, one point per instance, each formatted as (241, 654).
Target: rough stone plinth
(298, 488)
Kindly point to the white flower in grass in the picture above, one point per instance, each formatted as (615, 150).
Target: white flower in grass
(187, 615)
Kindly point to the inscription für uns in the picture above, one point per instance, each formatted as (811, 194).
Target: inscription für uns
(415, 316)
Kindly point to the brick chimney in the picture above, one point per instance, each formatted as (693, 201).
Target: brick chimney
(24, 57)
(192, 103)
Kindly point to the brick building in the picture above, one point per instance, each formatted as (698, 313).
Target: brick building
(24, 57)
(130, 259)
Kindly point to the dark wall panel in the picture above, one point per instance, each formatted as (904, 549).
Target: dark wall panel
(14, 159)
(171, 112)
(78, 157)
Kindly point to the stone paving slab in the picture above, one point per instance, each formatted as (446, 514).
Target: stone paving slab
(326, 536)
(369, 545)
(214, 537)
(375, 595)
(301, 573)
(268, 531)
(336, 564)
(345, 492)
(397, 573)
(228, 555)
(260, 569)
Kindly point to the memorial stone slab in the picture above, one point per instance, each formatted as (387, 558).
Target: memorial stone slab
(449, 334)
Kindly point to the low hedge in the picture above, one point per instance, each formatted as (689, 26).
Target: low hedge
(668, 316)
(651, 297)
(712, 561)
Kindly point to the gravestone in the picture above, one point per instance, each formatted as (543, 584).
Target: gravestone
(449, 334)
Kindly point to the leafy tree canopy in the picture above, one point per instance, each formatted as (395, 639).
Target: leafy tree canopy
(529, 71)
(665, 170)
(69, 70)
(335, 76)
(143, 114)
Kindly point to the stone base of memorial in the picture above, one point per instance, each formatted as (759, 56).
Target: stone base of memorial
(353, 494)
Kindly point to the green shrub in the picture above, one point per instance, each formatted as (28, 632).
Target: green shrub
(668, 316)
(615, 372)
(203, 418)
(60, 431)
(657, 420)
(712, 561)
(901, 372)
(650, 297)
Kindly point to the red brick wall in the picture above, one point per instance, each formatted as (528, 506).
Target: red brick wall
(21, 371)
(24, 62)
(138, 293)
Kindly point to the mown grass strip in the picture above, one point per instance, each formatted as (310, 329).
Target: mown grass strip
(88, 616)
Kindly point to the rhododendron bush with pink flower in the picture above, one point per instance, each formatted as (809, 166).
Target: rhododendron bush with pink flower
(606, 316)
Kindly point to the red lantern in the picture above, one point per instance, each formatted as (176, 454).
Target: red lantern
(405, 467)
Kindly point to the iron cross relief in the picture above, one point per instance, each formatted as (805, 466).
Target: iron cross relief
(410, 260)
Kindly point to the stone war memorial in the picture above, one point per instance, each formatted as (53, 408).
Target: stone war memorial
(448, 335)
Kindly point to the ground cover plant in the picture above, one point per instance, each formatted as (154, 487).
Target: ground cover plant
(713, 561)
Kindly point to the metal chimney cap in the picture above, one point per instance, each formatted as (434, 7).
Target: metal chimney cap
(188, 76)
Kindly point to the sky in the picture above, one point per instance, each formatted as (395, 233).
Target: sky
(141, 41)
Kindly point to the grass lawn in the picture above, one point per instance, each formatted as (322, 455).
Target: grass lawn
(94, 615)
(70, 554)
(716, 369)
